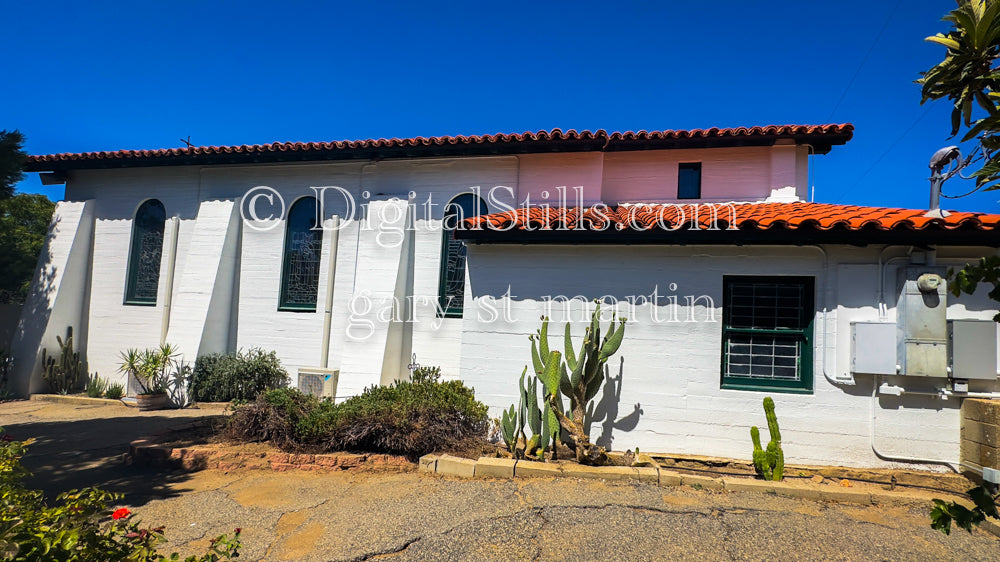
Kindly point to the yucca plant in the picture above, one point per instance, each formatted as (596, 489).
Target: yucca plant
(152, 369)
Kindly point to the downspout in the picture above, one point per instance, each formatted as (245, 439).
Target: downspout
(171, 265)
(330, 279)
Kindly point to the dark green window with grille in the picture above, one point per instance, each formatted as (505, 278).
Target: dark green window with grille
(143, 278)
(767, 333)
(451, 289)
(300, 264)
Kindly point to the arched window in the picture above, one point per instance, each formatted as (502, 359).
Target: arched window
(143, 278)
(451, 291)
(300, 265)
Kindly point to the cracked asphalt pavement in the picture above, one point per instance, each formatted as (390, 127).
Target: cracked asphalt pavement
(352, 515)
(410, 516)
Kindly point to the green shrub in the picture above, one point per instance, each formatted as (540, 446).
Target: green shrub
(115, 391)
(408, 418)
(235, 376)
(80, 525)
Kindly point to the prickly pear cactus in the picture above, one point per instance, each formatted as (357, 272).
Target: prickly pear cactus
(770, 462)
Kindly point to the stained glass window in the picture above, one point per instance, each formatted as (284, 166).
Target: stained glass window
(300, 267)
(451, 292)
(143, 279)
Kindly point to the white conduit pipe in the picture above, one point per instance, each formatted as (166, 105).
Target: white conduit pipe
(826, 323)
(871, 433)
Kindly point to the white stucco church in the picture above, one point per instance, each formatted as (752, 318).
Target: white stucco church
(354, 257)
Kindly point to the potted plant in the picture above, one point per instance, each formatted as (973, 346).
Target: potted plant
(151, 369)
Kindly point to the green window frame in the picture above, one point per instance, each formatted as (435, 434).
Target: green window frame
(142, 279)
(451, 279)
(767, 333)
(301, 258)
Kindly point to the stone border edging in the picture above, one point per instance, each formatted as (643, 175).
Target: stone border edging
(81, 400)
(489, 467)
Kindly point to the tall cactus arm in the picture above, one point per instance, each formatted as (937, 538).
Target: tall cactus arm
(779, 466)
(543, 338)
(536, 361)
(772, 419)
(552, 374)
(759, 458)
(568, 344)
(613, 340)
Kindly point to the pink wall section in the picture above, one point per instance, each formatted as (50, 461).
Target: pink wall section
(544, 172)
(727, 174)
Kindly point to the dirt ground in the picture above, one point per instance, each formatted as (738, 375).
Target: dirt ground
(351, 515)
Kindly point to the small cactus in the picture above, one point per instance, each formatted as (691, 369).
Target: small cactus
(770, 462)
(65, 373)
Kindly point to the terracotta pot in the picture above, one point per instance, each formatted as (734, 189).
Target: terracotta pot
(147, 402)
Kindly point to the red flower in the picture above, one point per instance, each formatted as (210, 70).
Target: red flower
(238, 530)
(121, 513)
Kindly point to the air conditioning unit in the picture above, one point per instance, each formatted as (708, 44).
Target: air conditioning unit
(321, 383)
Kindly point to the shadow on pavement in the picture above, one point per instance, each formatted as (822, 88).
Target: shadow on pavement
(81, 453)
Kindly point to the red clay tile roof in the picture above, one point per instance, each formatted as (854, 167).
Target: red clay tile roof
(761, 216)
(752, 223)
(821, 137)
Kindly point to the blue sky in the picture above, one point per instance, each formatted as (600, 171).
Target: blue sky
(107, 76)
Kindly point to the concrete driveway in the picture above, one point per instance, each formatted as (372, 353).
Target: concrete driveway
(409, 516)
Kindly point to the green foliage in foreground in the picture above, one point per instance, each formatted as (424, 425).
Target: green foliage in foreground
(967, 280)
(944, 513)
(408, 418)
(80, 525)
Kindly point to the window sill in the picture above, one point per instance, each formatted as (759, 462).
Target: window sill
(764, 388)
(296, 309)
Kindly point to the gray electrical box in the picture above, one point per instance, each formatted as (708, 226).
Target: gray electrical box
(921, 326)
(973, 349)
(873, 348)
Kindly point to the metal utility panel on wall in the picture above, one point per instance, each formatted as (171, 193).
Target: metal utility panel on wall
(973, 349)
(921, 325)
(871, 348)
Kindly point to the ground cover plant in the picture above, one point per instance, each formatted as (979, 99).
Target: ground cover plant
(223, 377)
(80, 525)
(409, 418)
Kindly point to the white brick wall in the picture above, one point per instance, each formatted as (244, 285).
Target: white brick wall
(672, 369)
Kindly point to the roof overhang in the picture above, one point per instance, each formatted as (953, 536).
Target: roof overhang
(821, 138)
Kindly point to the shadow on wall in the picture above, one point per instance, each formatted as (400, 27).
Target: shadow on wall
(34, 320)
(608, 408)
